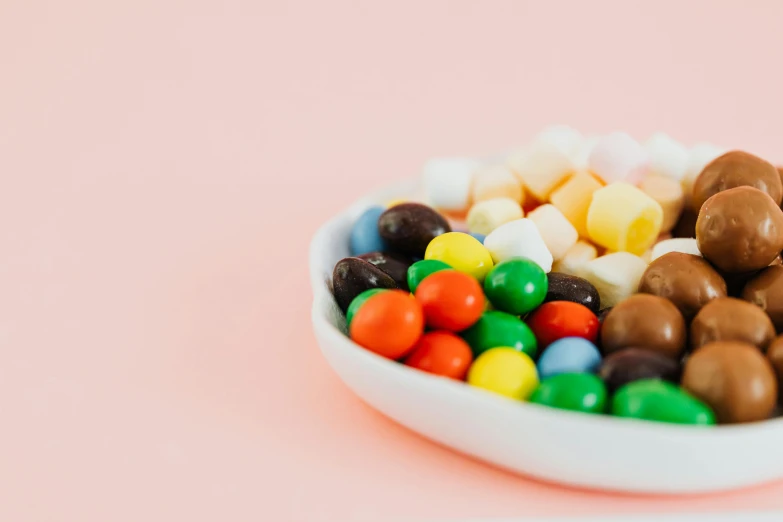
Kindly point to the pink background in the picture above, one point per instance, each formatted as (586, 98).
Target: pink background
(163, 166)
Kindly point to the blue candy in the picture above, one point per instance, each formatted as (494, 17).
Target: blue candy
(478, 236)
(364, 234)
(568, 355)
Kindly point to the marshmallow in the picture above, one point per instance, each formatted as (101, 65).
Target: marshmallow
(541, 168)
(616, 276)
(686, 245)
(567, 139)
(700, 155)
(486, 216)
(558, 233)
(624, 219)
(668, 157)
(668, 193)
(447, 182)
(618, 157)
(496, 181)
(573, 199)
(582, 156)
(519, 238)
(576, 258)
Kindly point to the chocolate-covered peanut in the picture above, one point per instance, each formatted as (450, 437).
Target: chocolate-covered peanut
(731, 319)
(736, 169)
(565, 287)
(352, 276)
(409, 227)
(775, 357)
(765, 290)
(394, 265)
(686, 225)
(686, 280)
(740, 230)
(633, 364)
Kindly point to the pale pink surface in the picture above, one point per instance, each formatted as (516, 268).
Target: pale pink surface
(164, 165)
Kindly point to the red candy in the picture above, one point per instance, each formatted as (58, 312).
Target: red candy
(558, 319)
(389, 324)
(441, 353)
(451, 300)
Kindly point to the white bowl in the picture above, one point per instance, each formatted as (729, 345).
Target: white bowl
(591, 451)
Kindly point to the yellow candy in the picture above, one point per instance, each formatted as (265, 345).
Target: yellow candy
(669, 194)
(462, 252)
(622, 218)
(573, 199)
(504, 371)
(395, 202)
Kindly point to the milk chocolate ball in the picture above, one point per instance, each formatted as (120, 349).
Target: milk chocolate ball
(765, 290)
(686, 225)
(686, 280)
(734, 379)
(731, 319)
(737, 169)
(740, 230)
(775, 357)
(644, 321)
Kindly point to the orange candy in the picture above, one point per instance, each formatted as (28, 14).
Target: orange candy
(441, 353)
(451, 300)
(389, 324)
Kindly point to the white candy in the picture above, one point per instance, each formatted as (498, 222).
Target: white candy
(686, 245)
(618, 157)
(668, 157)
(519, 238)
(700, 155)
(447, 182)
(582, 156)
(616, 276)
(558, 233)
(496, 181)
(486, 216)
(567, 139)
(541, 168)
(668, 193)
(576, 258)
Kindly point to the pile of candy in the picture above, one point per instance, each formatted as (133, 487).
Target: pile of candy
(590, 274)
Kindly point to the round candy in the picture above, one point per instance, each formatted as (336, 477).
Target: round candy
(505, 371)
(389, 324)
(766, 291)
(660, 401)
(644, 321)
(352, 276)
(451, 300)
(572, 391)
(364, 235)
(730, 319)
(736, 169)
(409, 227)
(357, 303)
(441, 353)
(565, 287)
(495, 329)
(569, 355)
(634, 364)
(735, 379)
(516, 286)
(686, 225)
(775, 356)
(558, 319)
(421, 269)
(479, 237)
(461, 251)
(394, 265)
(740, 230)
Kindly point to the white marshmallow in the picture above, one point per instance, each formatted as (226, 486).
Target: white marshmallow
(616, 276)
(668, 157)
(486, 216)
(618, 157)
(496, 181)
(582, 156)
(686, 245)
(519, 238)
(447, 182)
(699, 156)
(668, 193)
(541, 168)
(576, 258)
(558, 233)
(567, 139)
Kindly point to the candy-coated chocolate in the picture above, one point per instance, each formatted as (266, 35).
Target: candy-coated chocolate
(634, 364)
(450, 300)
(731, 319)
(569, 355)
(352, 276)
(462, 252)
(734, 379)
(736, 169)
(644, 321)
(740, 229)
(516, 286)
(393, 264)
(558, 319)
(358, 301)
(421, 269)
(408, 228)
(504, 371)
(479, 237)
(496, 328)
(564, 287)
(765, 290)
(660, 401)
(364, 235)
(388, 323)
(441, 353)
(582, 392)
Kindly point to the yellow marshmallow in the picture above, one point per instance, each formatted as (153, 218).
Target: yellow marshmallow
(573, 199)
(576, 258)
(669, 194)
(496, 181)
(486, 216)
(623, 218)
(558, 234)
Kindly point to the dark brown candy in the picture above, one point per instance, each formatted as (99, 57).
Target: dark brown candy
(775, 357)
(644, 321)
(734, 379)
(409, 227)
(736, 169)
(565, 287)
(731, 319)
(394, 265)
(765, 290)
(686, 280)
(740, 230)
(352, 276)
(633, 364)
(686, 225)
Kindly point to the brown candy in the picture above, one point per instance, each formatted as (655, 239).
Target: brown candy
(734, 379)
(736, 169)
(633, 364)
(740, 230)
(644, 321)
(409, 227)
(686, 225)
(765, 290)
(775, 357)
(352, 276)
(730, 319)
(686, 280)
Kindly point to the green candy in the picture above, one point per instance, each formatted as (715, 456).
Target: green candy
(496, 329)
(421, 269)
(357, 303)
(583, 392)
(655, 400)
(516, 286)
